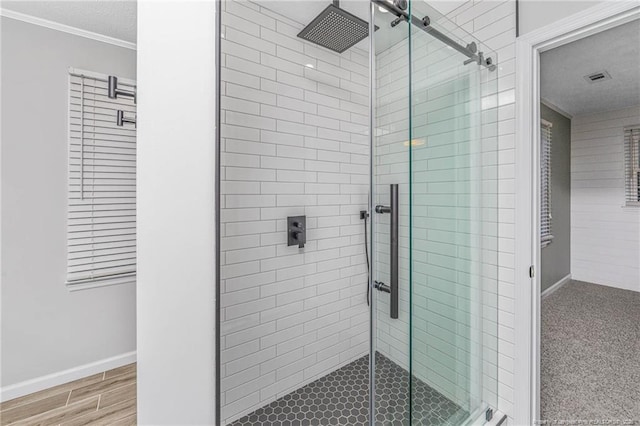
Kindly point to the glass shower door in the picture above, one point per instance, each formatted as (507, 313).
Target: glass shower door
(453, 227)
(436, 137)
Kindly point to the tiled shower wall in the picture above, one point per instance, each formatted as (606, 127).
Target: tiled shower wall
(295, 142)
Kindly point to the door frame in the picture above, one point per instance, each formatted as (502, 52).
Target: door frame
(595, 19)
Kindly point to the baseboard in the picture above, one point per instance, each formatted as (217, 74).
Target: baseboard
(555, 287)
(627, 285)
(50, 380)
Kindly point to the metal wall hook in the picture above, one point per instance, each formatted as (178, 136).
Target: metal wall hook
(114, 92)
(121, 119)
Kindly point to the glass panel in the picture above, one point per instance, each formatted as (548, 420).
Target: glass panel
(435, 136)
(453, 238)
(391, 166)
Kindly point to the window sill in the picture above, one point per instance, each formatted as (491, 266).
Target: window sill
(89, 284)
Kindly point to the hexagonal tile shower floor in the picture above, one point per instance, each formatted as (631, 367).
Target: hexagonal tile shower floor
(342, 397)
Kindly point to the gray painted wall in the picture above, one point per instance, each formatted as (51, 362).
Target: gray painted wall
(46, 328)
(556, 257)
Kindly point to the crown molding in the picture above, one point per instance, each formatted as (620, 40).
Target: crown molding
(66, 28)
(556, 108)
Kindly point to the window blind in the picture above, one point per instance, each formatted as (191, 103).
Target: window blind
(545, 183)
(101, 223)
(632, 166)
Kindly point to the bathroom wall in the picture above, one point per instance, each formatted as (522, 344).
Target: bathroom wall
(605, 235)
(536, 14)
(295, 123)
(176, 213)
(47, 329)
(555, 261)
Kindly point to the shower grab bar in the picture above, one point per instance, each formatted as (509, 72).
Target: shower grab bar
(393, 234)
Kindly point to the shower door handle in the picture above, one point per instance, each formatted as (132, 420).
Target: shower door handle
(393, 239)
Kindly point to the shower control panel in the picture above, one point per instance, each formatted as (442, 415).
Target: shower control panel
(297, 231)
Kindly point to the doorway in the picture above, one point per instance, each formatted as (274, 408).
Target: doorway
(590, 235)
(556, 283)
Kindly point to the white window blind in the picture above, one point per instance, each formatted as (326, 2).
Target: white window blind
(101, 223)
(545, 183)
(632, 166)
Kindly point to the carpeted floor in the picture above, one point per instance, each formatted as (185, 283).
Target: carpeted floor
(590, 355)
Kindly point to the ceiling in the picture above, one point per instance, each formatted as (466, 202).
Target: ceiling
(113, 18)
(616, 51)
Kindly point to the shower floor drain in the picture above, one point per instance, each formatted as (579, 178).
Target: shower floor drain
(342, 398)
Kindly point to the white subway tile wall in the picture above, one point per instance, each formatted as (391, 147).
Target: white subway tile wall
(605, 238)
(295, 142)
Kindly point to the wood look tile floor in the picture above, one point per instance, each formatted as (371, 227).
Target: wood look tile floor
(107, 398)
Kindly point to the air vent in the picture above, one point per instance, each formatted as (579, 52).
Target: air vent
(597, 77)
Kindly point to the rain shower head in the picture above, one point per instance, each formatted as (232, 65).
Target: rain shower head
(335, 29)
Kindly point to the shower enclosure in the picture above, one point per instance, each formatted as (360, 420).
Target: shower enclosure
(358, 216)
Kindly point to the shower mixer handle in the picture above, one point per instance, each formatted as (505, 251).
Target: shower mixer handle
(296, 229)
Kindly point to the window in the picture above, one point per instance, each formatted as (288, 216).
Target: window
(632, 166)
(101, 222)
(545, 183)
